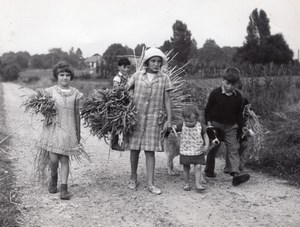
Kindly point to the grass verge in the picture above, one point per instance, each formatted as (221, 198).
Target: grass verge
(9, 211)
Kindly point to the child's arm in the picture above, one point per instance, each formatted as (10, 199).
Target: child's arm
(77, 119)
(168, 110)
(206, 142)
(205, 138)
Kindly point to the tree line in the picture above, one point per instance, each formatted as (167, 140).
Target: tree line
(259, 47)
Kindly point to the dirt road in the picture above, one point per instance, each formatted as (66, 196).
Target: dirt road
(101, 197)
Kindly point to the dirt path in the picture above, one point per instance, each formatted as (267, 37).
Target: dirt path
(101, 197)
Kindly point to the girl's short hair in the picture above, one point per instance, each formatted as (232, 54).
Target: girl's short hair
(63, 67)
(190, 109)
(123, 61)
(232, 75)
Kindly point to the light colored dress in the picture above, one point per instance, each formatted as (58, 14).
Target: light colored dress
(149, 102)
(192, 142)
(60, 136)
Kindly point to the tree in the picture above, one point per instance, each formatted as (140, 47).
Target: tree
(260, 46)
(10, 71)
(78, 53)
(277, 50)
(167, 46)
(111, 54)
(22, 59)
(71, 51)
(181, 42)
(210, 53)
(139, 48)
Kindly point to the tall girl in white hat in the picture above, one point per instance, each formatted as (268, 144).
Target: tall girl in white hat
(151, 97)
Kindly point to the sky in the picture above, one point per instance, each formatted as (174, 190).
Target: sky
(92, 25)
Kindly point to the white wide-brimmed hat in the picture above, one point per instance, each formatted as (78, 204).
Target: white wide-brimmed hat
(154, 52)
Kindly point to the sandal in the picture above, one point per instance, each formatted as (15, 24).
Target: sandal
(187, 187)
(155, 190)
(200, 188)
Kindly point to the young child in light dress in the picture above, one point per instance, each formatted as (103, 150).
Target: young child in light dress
(60, 140)
(194, 144)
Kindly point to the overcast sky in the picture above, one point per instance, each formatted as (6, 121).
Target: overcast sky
(92, 25)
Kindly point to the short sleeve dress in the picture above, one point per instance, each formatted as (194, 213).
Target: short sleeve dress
(192, 144)
(149, 102)
(60, 136)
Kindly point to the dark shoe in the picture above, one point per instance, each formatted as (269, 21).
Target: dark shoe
(211, 175)
(239, 179)
(226, 171)
(52, 188)
(64, 194)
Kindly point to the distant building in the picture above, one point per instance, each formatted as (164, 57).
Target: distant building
(94, 63)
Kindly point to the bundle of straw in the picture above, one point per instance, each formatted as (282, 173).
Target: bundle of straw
(109, 112)
(258, 140)
(179, 95)
(41, 102)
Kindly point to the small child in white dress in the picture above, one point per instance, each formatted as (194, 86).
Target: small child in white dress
(194, 145)
(61, 139)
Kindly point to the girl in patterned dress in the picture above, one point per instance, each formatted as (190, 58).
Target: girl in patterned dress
(61, 139)
(150, 89)
(194, 145)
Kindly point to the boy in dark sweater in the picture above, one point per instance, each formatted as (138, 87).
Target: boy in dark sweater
(224, 110)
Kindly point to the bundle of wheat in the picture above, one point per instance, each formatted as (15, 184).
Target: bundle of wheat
(41, 102)
(109, 112)
(179, 94)
(258, 139)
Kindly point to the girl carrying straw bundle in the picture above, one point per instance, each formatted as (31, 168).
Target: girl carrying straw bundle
(150, 96)
(61, 139)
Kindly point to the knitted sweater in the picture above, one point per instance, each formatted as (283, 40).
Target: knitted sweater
(224, 109)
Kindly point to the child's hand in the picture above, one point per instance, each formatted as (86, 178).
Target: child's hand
(206, 149)
(78, 136)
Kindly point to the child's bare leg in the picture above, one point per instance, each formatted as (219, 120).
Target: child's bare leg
(186, 176)
(198, 177)
(64, 161)
(134, 161)
(202, 179)
(54, 158)
(150, 165)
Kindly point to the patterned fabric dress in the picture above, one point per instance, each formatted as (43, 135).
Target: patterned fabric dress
(149, 102)
(60, 136)
(192, 144)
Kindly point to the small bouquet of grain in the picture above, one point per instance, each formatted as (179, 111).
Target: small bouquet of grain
(257, 141)
(109, 112)
(41, 102)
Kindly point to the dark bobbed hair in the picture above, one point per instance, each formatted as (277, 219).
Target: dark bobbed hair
(190, 109)
(123, 61)
(63, 67)
(232, 75)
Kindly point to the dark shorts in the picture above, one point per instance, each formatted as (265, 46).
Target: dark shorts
(188, 160)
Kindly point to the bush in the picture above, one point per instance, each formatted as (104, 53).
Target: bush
(10, 72)
(28, 78)
(83, 75)
(281, 155)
